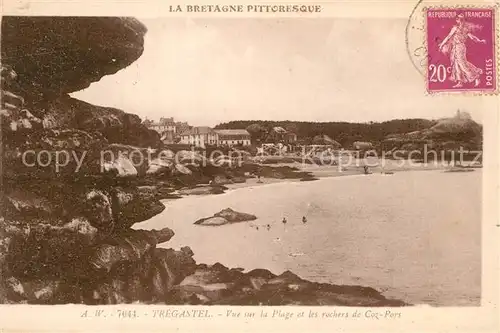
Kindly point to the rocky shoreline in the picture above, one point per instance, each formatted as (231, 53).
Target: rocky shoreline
(65, 230)
(219, 285)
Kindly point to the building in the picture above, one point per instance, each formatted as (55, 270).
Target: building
(281, 135)
(168, 129)
(182, 126)
(204, 136)
(164, 125)
(290, 137)
(199, 137)
(233, 137)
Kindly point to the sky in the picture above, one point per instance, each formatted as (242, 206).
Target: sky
(208, 71)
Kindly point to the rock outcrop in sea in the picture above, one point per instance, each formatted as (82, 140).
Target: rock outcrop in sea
(66, 217)
(226, 216)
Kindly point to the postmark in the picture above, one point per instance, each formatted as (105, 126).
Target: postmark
(461, 48)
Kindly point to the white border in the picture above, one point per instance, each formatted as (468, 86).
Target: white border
(65, 318)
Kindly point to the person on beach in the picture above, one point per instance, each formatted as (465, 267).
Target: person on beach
(268, 227)
(284, 221)
(304, 220)
(454, 44)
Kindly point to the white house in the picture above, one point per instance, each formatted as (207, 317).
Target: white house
(233, 137)
(200, 137)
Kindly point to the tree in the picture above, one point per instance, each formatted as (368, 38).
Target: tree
(257, 132)
(292, 127)
(345, 133)
(343, 139)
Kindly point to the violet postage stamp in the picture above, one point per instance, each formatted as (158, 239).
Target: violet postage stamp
(461, 44)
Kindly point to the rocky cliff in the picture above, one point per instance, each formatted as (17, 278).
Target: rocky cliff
(76, 177)
(66, 209)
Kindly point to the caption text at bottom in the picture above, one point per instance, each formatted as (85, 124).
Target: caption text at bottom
(244, 314)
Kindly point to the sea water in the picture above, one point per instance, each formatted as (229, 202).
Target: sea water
(414, 235)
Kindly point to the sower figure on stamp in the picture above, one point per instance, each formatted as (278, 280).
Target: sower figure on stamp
(462, 71)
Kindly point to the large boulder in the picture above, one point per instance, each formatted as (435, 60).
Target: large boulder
(209, 283)
(150, 280)
(116, 125)
(97, 206)
(121, 166)
(134, 204)
(127, 160)
(127, 246)
(160, 166)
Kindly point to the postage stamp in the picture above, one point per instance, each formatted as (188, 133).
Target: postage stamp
(461, 49)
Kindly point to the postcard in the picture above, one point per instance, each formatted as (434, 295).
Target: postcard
(249, 167)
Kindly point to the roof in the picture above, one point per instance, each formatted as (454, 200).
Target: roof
(362, 144)
(325, 140)
(198, 130)
(232, 132)
(278, 129)
(162, 124)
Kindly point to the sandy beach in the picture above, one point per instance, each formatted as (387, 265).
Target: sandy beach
(376, 166)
